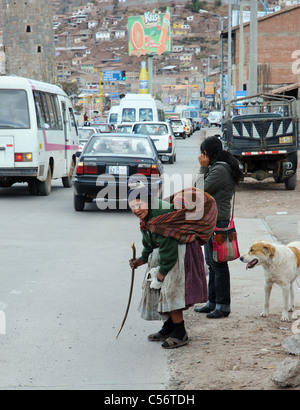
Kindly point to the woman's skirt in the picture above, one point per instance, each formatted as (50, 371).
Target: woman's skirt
(183, 286)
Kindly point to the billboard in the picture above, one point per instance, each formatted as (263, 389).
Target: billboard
(150, 33)
(209, 89)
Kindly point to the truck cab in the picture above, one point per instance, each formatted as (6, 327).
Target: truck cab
(264, 137)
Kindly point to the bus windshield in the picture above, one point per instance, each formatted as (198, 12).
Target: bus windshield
(14, 111)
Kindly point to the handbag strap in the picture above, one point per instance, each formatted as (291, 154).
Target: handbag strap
(232, 213)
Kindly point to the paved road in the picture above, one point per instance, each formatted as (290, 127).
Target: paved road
(64, 288)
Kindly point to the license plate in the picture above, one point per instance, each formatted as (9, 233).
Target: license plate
(286, 140)
(117, 169)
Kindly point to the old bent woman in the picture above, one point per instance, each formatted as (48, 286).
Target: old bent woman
(175, 277)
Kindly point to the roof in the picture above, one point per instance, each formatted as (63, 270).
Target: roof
(285, 88)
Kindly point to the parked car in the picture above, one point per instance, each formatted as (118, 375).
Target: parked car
(106, 164)
(162, 135)
(215, 118)
(178, 127)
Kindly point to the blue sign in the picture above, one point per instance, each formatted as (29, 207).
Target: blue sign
(240, 94)
(110, 75)
(114, 96)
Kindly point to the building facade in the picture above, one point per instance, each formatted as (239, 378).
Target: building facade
(28, 39)
(278, 51)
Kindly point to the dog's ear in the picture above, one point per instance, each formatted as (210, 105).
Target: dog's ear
(269, 249)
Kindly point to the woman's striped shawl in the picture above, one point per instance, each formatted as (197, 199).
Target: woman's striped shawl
(195, 217)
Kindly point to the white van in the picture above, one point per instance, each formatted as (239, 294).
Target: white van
(215, 118)
(113, 115)
(38, 134)
(140, 107)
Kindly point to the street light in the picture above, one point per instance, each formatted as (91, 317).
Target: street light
(222, 54)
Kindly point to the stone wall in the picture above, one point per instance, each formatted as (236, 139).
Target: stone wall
(28, 39)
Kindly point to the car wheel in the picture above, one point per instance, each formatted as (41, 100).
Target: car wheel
(79, 203)
(171, 159)
(184, 136)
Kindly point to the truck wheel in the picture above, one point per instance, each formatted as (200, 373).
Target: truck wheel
(184, 136)
(290, 183)
(68, 181)
(44, 187)
(33, 186)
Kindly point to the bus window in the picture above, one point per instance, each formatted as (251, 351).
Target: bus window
(161, 115)
(45, 111)
(52, 112)
(113, 119)
(72, 117)
(14, 111)
(146, 114)
(128, 115)
(57, 111)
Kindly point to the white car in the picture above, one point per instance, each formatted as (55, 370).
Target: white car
(178, 127)
(84, 134)
(161, 134)
(188, 126)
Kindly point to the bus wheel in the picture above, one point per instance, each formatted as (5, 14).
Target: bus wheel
(79, 203)
(44, 187)
(33, 186)
(68, 181)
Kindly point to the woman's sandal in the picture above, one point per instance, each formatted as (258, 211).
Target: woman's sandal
(172, 342)
(157, 337)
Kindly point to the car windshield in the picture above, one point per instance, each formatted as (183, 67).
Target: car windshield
(125, 129)
(14, 111)
(176, 122)
(119, 146)
(103, 127)
(150, 129)
(85, 133)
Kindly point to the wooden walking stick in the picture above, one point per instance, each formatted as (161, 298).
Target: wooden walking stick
(130, 292)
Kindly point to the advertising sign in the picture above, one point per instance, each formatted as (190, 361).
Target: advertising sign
(149, 34)
(209, 89)
(240, 94)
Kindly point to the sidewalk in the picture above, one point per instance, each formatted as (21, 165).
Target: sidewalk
(240, 352)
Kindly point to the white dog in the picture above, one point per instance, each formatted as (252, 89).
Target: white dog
(281, 265)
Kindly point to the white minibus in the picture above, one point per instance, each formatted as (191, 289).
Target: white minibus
(140, 107)
(113, 115)
(38, 134)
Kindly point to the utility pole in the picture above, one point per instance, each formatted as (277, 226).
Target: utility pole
(252, 85)
(241, 53)
(229, 69)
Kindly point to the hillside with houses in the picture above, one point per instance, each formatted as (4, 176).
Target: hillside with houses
(94, 38)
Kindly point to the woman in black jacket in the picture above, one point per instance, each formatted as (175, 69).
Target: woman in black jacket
(221, 175)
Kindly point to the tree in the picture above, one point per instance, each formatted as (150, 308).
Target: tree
(195, 6)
